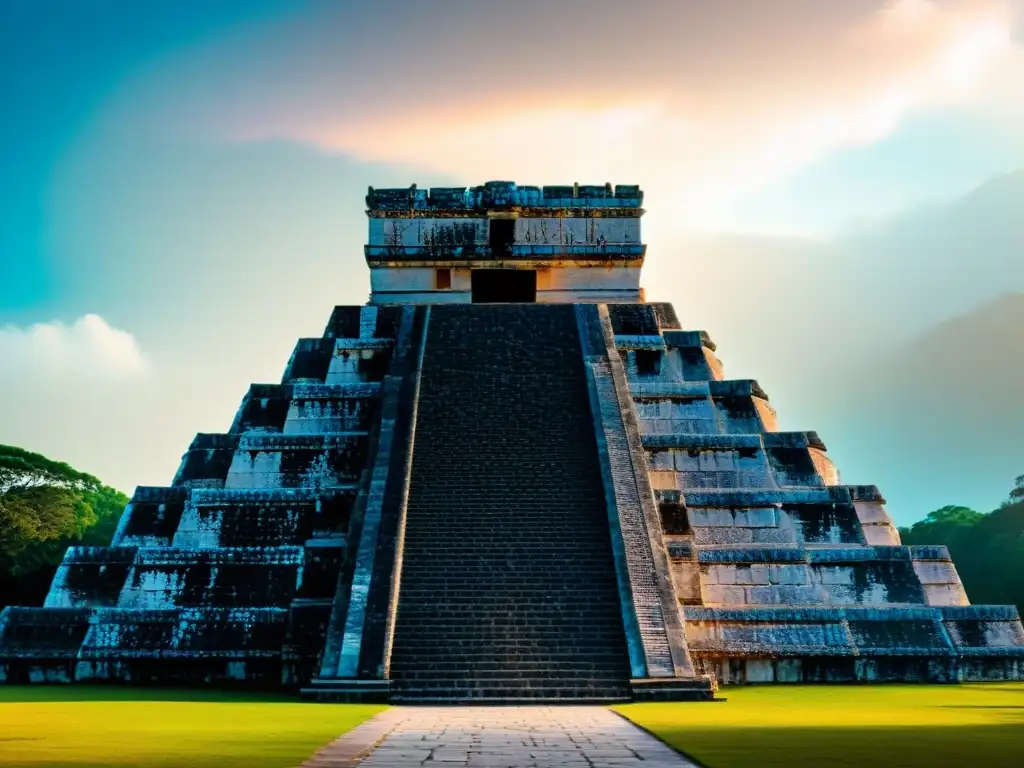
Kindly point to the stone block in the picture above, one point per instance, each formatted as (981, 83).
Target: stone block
(881, 535)
(763, 517)
(872, 512)
(726, 535)
(789, 670)
(710, 517)
(789, 574)
(936, 572)
(842, 575)
(756, 574)
(760, 671)
(722, 574)
(785, 595)
(716, 594)
(661, 480)
(945, 594)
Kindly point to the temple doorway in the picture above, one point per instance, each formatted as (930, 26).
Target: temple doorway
(501, 237)
(493, 286)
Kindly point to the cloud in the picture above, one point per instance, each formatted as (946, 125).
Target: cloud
(88, 348)
(83, 393)
(704, 104)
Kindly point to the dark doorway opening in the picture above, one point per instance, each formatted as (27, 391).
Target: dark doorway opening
(504, 285)
(501, 236)
(648, 362)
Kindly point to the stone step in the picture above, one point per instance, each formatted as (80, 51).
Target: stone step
(508, 588)
(514, 691)
(491, 638)
(557, 697)
(477, 677)
(484, 658)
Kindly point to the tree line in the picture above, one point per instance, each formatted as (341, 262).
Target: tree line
(987, 547)
(47, 506)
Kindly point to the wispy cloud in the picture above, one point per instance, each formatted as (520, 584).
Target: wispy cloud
(87, 348)
(703, 103)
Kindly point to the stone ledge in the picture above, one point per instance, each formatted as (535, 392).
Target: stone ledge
(737, 388)
(345, 344)
(272, 441)
(859, 554)
(980, 613)
(676, 339)
(221, 556)
(698, 442)
(672, 689)
(347, 691)
(793, 440)
(158, 494)
(639, 342)
(751, 498)
(926, 552)
(214, 441)
(682, 390)
(998, 651)
(769, 650)
(864, 493)
(208, 496)
(119, 654)
(123, 555)
(709, 555)
(353, 390)
(812, 614)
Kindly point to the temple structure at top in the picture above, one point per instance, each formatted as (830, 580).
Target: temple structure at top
(503, 242)
(507, 478)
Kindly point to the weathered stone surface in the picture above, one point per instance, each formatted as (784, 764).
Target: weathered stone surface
(522, 501)
(502, 737)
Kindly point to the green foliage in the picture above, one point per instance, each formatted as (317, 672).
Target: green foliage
(46, 506)
(988, 549)
(943, 526)
(1017, 492)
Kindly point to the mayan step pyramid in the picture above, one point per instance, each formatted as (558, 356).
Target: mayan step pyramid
(507, 478)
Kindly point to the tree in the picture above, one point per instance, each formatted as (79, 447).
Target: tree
(34, 513)
(41, 500)
(988, 549)
(46, 506)
(947, 525)
(1017, 492)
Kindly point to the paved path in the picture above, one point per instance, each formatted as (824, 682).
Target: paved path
(498, 737)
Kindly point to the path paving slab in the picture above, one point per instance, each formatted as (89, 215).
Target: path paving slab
(498, 737)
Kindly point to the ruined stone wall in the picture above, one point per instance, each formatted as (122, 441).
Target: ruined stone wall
(584, 241)
(232, 572)
(781, 572)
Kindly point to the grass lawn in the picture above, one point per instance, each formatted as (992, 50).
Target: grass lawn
(76, 726)
(891, 726)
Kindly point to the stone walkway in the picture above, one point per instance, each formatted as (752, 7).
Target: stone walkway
(497, 737)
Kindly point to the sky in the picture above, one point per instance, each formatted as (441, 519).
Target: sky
(832, 190)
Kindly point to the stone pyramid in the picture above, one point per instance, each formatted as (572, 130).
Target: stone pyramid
(507, 478)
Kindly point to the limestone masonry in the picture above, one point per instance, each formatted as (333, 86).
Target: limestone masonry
(507, 478)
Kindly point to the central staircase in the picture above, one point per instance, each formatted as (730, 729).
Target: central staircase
(508, 589)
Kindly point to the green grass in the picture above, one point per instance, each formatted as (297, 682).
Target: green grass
(892, 726)
(75, 726)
